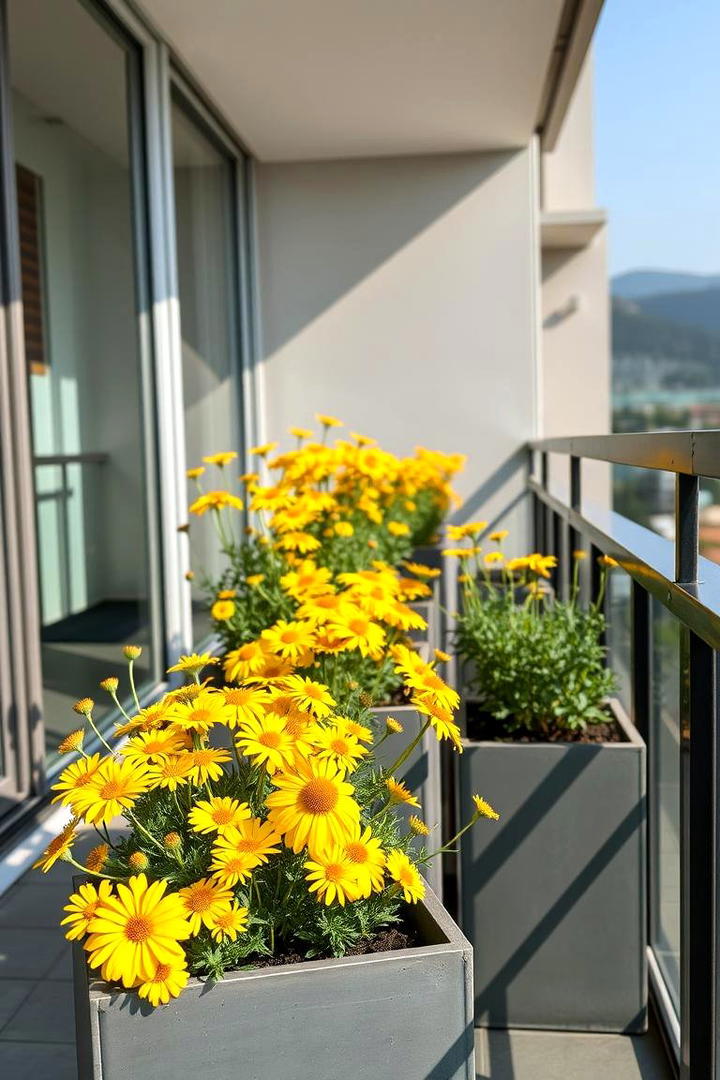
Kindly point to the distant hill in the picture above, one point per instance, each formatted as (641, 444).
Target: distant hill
(635, 284)
(700, 308)
(656, 353)
(638, 332)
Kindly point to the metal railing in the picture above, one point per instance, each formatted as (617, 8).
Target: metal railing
(689, 587)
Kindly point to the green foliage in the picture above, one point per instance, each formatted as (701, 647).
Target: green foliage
(538, 663)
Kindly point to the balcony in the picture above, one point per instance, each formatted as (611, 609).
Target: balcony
(663, 609)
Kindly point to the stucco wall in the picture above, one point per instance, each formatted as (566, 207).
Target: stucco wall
(400, 295)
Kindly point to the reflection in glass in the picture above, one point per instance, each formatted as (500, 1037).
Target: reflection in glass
(206, 279)
(75, 200)
(664, 788)
(619, 633)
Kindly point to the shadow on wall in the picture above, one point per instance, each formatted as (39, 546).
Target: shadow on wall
(324, 227)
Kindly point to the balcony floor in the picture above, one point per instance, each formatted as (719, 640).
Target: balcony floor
(37, 1028)
(554, 1055)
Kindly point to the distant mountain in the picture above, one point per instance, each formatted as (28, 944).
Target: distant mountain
(700, 308)
(635, 284)
(650, 352)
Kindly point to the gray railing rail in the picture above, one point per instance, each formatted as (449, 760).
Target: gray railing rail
(689, 587)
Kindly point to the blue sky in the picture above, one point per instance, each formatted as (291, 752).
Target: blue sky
(657, 132)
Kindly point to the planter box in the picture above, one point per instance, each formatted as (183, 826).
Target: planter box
(553, 897)
(378, 1017)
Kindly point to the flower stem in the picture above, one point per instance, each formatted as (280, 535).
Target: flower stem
(408, 750)
(67, 857)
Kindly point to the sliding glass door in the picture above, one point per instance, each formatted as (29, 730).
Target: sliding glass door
(206, 247)
(74, 77)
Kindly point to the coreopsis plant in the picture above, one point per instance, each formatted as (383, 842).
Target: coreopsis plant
(259, 824)
(537, 663)
(340, 508)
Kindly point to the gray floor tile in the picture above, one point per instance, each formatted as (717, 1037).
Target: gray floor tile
(31, 905)
(37, 1061)
(29, 954)
(12, 994)
(549, 1055)
(62, 968)
(47, 1015)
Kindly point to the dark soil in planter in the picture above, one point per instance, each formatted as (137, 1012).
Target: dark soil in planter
(482, 727)
(395, 937)
(399, 696)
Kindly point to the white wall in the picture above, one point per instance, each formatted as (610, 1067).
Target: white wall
(399, 295)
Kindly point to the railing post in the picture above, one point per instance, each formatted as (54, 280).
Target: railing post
(698, 814)
(687, 489)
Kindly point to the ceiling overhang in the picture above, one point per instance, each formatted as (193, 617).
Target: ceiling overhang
(318, 79)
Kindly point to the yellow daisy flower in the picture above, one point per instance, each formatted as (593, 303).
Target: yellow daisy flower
(170, 772)
(337, 746)
(207, 763)
(365, 854)
(74, 778)
(222, 610)
(202, 900)
(167, 981)
(113, 788)
(332, 877)
(82, 906)
(215, 500)
(58, 847)
(313, 805)
(135, 929)
(221, 459)
(193, 663)
(406, 874)
(97, 857)
(230, 867)
(290, 640)
(267, 742)
(253, 837)
(484, 809)
(152, 745)
(217, 814)
(248, 659)
(328, 421)
(246, 703)
(399, 793)
(226, 925)
(311, 696)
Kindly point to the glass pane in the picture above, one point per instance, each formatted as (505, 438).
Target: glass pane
(664, 746)
(619, 633)
(75, 199)
(206, 277)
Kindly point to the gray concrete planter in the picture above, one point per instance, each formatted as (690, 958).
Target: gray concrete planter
(378, 1017)
(553, 898)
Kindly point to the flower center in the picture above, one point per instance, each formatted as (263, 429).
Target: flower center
(201, 717)
(339, 746)
(222, 816)
(162, 973)
(203, 757)
(358, 626)
(271, 739)
(289, 637)
(319, 796)
(138, 928)
(236, 866)
(200, 899)
(356, 852)
(334, 872)
(113, 789)
(174, 767)
(313, 692)
(248, 652)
